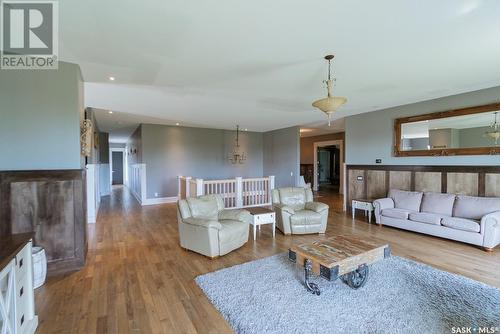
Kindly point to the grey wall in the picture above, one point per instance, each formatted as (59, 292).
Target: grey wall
(134, 147)
(282, 155)
(170, 151)
(369, 136)
(104, 148)
(443, 138)
(416, 143)
(104, 181)
(474, 137)
(40, 115)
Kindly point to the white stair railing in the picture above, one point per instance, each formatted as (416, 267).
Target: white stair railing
(237, 192)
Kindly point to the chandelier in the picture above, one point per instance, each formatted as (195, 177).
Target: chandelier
(237, 156)
(331, 103)
(494, 133)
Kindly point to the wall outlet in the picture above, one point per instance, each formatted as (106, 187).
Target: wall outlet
(156, 194)
(291, 173)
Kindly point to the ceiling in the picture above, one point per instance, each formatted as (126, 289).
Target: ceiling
(259, 63)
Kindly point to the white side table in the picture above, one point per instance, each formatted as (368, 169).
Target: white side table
(363, 204)
(262, 216)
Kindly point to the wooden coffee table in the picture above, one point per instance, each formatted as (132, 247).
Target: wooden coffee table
(340, 256)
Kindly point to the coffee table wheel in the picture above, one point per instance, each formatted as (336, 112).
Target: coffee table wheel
(357, 278)
(311, 287)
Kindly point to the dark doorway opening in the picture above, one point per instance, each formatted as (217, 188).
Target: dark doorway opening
(117, 163)
(329, 168)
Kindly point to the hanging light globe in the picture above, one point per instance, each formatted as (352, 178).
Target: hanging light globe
(331, 103)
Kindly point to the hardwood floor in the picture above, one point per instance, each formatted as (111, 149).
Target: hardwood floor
(138, 279)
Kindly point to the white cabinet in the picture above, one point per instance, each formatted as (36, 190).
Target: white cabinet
(17, 302)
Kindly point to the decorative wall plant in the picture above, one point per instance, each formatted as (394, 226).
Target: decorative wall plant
(86, 134)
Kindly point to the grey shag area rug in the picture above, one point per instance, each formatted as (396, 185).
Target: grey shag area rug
(400, 296)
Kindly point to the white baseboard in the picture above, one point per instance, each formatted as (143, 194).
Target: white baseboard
(160, 200)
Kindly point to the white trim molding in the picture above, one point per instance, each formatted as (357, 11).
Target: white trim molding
(159, 200)
(93, 192)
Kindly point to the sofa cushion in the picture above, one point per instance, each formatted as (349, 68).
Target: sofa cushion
(409, 200)
(475, 207)
(293, 197)
(438, 203)
(396, 213)
(305, 217)
(461, 224)
(426, 217)
(204, 207)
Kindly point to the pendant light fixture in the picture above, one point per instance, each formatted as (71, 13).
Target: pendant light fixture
(331, 103)
(237, 156)
(494, 133)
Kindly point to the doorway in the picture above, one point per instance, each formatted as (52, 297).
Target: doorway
(337, 164)
(116, 167)
(329, 168)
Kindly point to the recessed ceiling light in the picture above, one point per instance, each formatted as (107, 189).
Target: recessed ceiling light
(177, 124)
(110, 112)
(246, 129)
(112, 78)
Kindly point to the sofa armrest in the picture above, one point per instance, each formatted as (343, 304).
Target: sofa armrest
(202, 222)
(490, 228)
(384, 203)
(236, 214)
(381, 204)
(316, 206)
(285, 208)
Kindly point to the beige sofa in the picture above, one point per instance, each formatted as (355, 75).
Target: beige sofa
(296, 213)
(474, 220)
(206, 228)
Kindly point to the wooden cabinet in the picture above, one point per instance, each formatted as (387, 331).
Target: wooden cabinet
(51, 205)
(17, 302)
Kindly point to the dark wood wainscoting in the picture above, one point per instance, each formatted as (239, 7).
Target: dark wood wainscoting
(52, 205)
(374, 181)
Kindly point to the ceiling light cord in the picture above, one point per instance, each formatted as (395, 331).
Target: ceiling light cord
(329, 69)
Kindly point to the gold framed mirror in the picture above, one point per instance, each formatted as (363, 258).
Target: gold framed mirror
(467, 131)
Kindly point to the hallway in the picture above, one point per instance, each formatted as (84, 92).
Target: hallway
(137, 278)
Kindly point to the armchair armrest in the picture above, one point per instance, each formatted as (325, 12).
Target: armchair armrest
(490, 228)
(203, 222)
(285, 208)
(235, 214)
(316, 206)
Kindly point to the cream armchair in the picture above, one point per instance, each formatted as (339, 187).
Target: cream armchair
(296, 213)
(206, 228)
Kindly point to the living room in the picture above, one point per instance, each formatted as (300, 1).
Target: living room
(284, 167)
